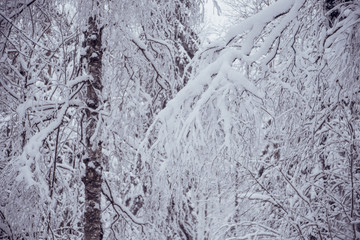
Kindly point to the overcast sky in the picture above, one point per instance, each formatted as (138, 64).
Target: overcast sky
(214, 23)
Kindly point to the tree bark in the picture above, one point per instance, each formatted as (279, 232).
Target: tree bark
(93, 161)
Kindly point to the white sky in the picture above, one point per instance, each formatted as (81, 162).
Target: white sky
(214, 25)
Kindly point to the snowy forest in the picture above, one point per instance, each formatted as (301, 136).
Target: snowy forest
(121, 119)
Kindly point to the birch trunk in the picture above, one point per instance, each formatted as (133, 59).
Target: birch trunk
(93, 173)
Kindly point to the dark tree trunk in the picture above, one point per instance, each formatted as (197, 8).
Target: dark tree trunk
(185, 37)
(93, 161)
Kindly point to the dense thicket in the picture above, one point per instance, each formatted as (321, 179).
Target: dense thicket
(266, 134)
(80, 83)
(117, 123)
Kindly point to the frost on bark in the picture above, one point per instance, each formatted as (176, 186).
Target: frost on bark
(93, 173)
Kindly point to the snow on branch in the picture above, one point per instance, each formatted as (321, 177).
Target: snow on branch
(9, 90)
(351, 18)
(242, 80)
(222, 64)
(256, 23)
(28, 164)
(288, 9)
(22, 32)
(78, 80)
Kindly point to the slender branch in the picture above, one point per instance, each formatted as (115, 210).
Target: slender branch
(292, 186)
(8, 224)
(55, 159)
(144, 52)
(29, 38)
(110, 198)
(266, 190)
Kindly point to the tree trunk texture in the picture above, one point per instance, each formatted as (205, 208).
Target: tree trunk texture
(93, 161)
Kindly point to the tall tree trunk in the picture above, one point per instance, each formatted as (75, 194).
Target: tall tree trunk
(93, 173)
